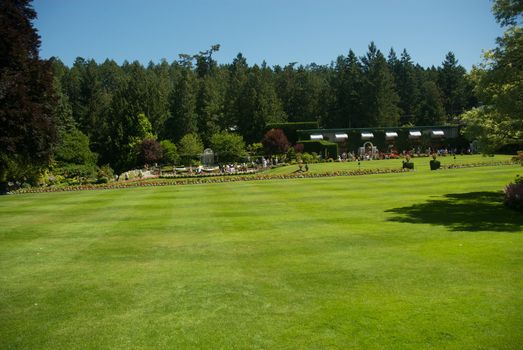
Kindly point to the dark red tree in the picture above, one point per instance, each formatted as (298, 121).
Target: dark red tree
(27, 129)
(150, 152)
(275, 142)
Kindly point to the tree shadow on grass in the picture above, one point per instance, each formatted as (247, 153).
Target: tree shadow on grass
(473, 211)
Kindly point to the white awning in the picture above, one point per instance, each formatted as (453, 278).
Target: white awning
(317, 137)
(391, 134)
(413, 134)
(438, 133)
(341, 136)
(367, 135)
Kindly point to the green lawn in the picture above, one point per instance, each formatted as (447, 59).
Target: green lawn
(420, 260)
(420, 164)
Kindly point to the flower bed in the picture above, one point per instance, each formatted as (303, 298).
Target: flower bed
(234, 178)
(186, 175)
(474, 165)
(205, 179)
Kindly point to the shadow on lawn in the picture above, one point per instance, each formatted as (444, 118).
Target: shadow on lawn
(473, 211)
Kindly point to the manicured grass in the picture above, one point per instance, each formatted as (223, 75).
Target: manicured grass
(421, 260)
(420, 164)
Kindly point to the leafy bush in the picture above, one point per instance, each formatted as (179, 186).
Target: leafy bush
(105, 174)
(408, 165)
(307, 157)
(228, 146)
(80, 172)
(73, 156)
(514, 194)
(435, 164)
(73, 148)
(149, 152)
(291, 154)
(169, 152)
(102, 180)
(190, 148)
(275, 142)
(255, 149)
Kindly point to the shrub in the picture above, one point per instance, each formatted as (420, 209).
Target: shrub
(228, 146)
(149, 152)
(275, 142)
(102, 180)
(435, 164)
(79, 171)
(514, 194)
(307, 157)
(255, 149)
(291, 154)
(190, 147)
(408, 165)
(105, 174)
(169, 152)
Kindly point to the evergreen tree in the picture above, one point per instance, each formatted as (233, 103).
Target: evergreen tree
(158, 90)
(238, 71)
(431, 110)
(349, 92)
(408, 89)
(452, 85)
(258, 105)
(209, 107)
(184, 119)
(380, 96)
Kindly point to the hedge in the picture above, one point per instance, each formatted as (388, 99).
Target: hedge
(320, 147)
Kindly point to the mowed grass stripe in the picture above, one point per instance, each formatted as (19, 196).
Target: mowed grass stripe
(421, 164)
(306, 263)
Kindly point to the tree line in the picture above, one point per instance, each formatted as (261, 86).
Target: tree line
(117, 105)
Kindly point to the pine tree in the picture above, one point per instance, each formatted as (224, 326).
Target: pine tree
(237, 79)
(380, 96)
(408, 89)
(158, 90)
(451, 81)
(209, 107)
(184, 119)
(258, 105)
(431, 110)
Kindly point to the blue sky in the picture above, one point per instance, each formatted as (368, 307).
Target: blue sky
(279, 32)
